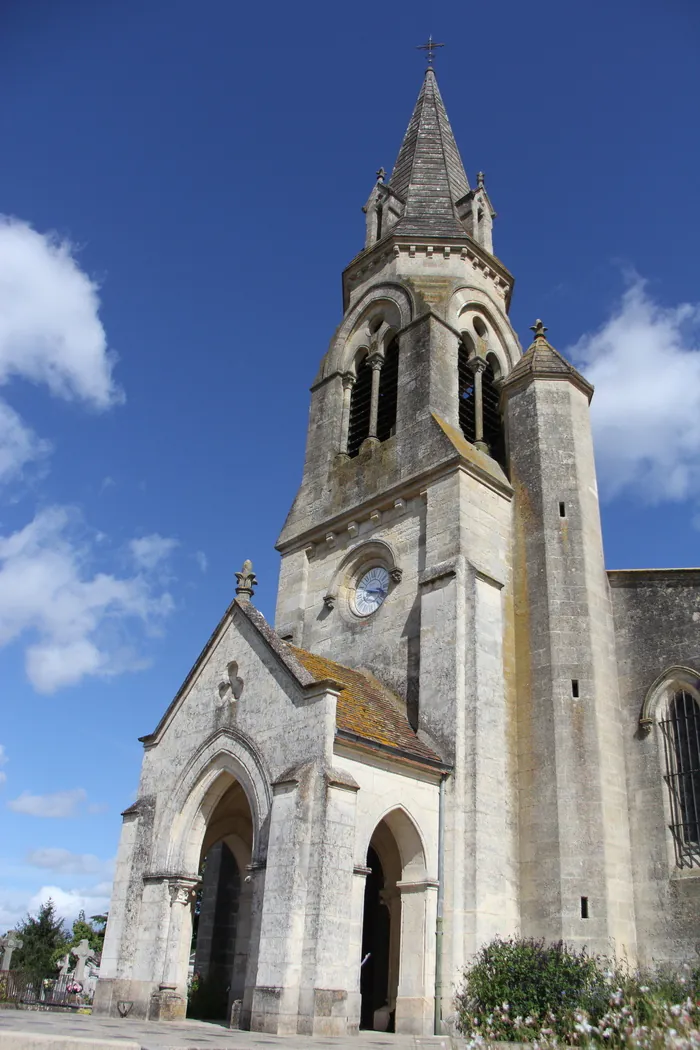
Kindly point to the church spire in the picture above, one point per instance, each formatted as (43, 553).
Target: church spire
(429, 176)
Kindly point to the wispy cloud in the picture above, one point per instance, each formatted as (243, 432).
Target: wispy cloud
(67, 863)
(58, 805)
(645, 365)
(202, 560)
(150, 551)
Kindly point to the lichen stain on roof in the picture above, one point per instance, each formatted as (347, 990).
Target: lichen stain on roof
(367, 708)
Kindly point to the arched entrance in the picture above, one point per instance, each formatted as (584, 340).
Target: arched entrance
(393, 972)
(222, 914)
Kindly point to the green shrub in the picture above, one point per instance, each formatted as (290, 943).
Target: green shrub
(526, 991)
(528, 979)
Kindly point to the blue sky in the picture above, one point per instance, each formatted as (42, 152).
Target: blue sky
(181, 188)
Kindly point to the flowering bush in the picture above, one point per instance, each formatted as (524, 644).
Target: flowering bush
(553, 996)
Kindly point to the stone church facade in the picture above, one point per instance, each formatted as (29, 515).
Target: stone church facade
(461, 724)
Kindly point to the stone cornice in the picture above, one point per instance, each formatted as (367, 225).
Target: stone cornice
(392, 246)
(654, 577)
(403, 489)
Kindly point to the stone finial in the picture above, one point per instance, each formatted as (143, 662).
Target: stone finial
(381, 175)
(480, 180)
(247, 580)
(539, 329)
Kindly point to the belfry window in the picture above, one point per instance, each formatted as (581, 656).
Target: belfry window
(681, 734)
(374, 398)
(479, 402)
(388, 392)
(360, 404)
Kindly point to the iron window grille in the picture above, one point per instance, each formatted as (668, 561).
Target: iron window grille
(681, 734)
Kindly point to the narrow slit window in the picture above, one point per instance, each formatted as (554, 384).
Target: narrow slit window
(574, 688)
(584, 907)
(562, 510)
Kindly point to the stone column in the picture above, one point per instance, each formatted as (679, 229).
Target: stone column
(349, 381)
(478, 366)
(170, 1002)
(416, 991)
(375, 362)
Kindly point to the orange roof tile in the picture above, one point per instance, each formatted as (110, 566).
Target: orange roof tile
(367, 709)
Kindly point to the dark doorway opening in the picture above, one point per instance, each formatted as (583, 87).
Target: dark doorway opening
(374, 975)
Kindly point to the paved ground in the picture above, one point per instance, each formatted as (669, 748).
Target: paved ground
(38, 1030)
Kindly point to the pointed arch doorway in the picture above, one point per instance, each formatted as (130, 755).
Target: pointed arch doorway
(222, 913)
(394, 976)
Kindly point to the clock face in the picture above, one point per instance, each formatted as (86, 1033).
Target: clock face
(371, 591)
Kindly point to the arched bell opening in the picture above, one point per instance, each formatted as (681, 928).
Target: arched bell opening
(392, 987)
(222, 910)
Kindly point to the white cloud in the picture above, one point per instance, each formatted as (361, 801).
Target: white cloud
(57, 805)
(67, 863)
(645, 365)
(202, 560)
(50, 331)
(149, 551)
(78, 620)
(93, 900)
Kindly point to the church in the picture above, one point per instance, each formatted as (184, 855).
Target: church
(461, 724)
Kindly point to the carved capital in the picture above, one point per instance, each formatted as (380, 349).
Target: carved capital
(182, 890)
(349, 380)
(375, 360)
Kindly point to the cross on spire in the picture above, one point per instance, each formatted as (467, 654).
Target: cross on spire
(429, 48)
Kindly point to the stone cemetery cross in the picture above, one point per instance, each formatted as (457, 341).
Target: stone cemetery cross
(83, 952)
(9, 943)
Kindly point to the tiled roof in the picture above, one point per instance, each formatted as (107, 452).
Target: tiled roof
(367, 709)
(542, 361)
(429, 175)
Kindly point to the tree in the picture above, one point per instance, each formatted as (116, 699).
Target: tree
(43, 939)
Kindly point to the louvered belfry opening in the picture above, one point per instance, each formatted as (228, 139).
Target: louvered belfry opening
(493, 424)
(681, 733)
(467, 415)
(388, 392)
(360, 403)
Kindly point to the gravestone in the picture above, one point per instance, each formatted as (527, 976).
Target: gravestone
(83, 952)
(9, 943)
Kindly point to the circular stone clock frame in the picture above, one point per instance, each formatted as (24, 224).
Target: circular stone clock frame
(359, 562)
(370, 591)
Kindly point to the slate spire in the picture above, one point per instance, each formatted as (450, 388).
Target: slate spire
(429, 176)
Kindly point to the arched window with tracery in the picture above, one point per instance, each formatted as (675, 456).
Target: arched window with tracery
(479, 400)
(374, 417)
(680, 729)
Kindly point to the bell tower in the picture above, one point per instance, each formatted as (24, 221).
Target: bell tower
(405, 473)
